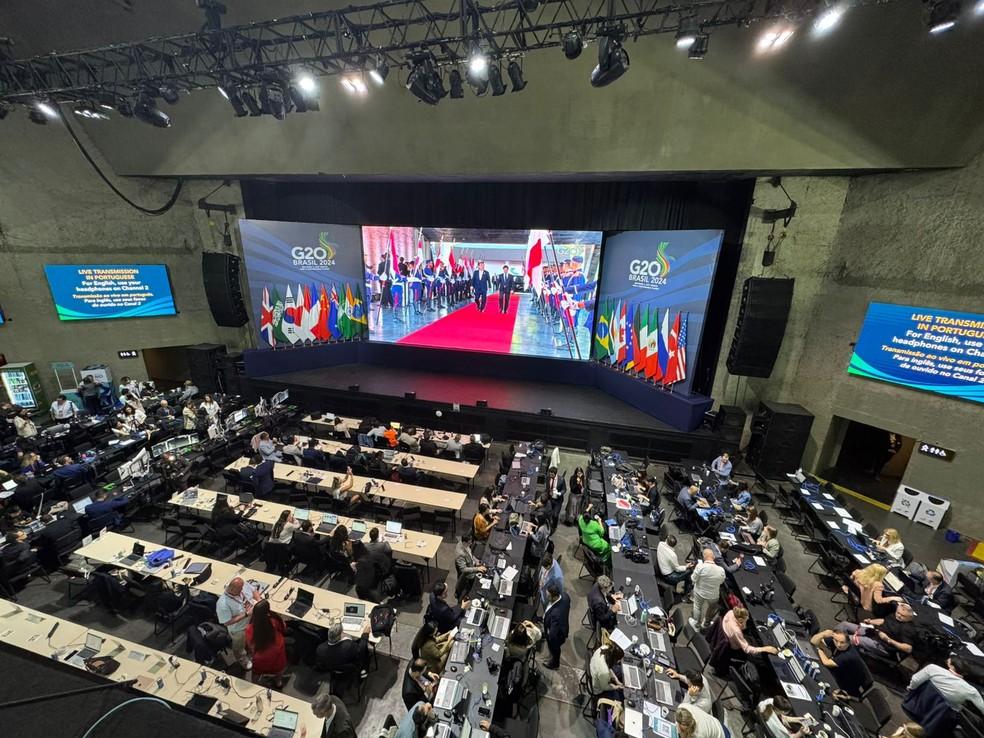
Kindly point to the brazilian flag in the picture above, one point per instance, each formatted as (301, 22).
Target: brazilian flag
(602, 334)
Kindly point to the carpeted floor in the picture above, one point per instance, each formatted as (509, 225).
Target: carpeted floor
(468, 329)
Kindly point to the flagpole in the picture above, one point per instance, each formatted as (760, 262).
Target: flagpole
(563, 320)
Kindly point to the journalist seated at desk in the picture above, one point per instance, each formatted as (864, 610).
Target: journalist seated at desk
(70, 472)
(893, 635)
(105, 511)
(16, 552)
(689, 499)
(313, 456)
(444, 615)
(937, 591)
(338, 653)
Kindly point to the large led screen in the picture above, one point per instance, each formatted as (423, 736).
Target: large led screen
(651, 303)
(529, 292)
(103, 291)
(923, 348)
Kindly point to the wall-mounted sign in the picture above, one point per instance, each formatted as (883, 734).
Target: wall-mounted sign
(128, 354)
(937, 452)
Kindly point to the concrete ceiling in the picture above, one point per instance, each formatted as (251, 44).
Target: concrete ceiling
(878, 93)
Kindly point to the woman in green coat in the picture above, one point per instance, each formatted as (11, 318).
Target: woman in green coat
(593, 535)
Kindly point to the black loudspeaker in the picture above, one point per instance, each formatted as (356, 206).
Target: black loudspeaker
(220, 274)
(780, 432)
(205, 364)
(546, 411)
(730, 423)
(353, 388)
(481, 403)
(761, 324)
(409, 395)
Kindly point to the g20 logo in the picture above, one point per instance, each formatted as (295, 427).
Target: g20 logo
(652, 268)
(318, 253)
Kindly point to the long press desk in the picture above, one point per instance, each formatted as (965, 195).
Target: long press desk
(157, 674)
(351, 425)
(409, 493)
(111, 548)
(441, 467)
(413, 546)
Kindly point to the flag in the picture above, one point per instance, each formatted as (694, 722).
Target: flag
(333, 315)
(613, 326)
(393, 258)
(320, 330)
(602, 336)
(623, 338)
(278, 317)
(266, 319)
(535, 244)
(653, 370)
(451, 260)
(663, 343)
(309, 320)
(630, 349)
(344, 324)
(640, 364)
(290, 316)
(676, 370)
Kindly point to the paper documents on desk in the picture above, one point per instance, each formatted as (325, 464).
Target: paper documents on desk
(633, 723)
(842, 512)
(759, 561)
(662, 728)
(828, 496)
(817, 506)
(945, 619)
(972, 647)
(725, 536)
(795, 691)
(620, 639)
(651, 709)
(833, 525)
(510, 573)
(852, 526)
(862, 559)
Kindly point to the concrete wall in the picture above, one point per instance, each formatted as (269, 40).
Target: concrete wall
(912, 238)
(55, 209)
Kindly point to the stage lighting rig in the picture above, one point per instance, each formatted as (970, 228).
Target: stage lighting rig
(698, 49)
(613, 60)
(235, 98)
(273, 101)
(425, 81)
(687, 33)
(943, 15)
(495, 80)
(516, 76)
(146, 111)
(573, 44)
(379, 72)
(455, 82)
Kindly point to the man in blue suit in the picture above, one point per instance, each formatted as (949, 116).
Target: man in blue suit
(550, 574)
(481, 284)
(556, 623)
(103, 511)
(260, 473)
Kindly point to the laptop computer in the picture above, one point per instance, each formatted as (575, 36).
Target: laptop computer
(135, 555)
(476, 617)
(353, 615)
(893, 581)
(459, 652)
(80, 505)
(246, 498)
(301, 514)
(499, 627)
(632, 676)
(394, 529)
(358, 530)
(505, 587)
(328, 522)
(780, 634)
(447, 694)
(664, 693)
(93, 645)
(441, 730)
(657, 640)
(284, 724)
(302, 603)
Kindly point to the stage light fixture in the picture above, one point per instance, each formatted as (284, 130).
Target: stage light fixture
(272, 99)
(36, 116)
(85, 110)
(687, 33)
(573, 44)
(46, 108)
(495, 80)
(943, 16)
(481, 403)
(613, 61)
(478, 65)
(169, 94)
(516, 76)
(307, 84)
(235, 98)
(379, 72)
(456, 84)
(425, 81)
(698, 49)
(774, 39)
(828, 19)
(979, 8)
(249, 100)
(4, 109)
(146, 111)
(124, 108)
(354, 84)
(409, 395)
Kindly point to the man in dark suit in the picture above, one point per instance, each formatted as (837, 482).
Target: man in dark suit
(481, 284)
(505, 289)
(555, 486)
(46, 542)
(603, 605)
(338, 653)
(556, 623)
(16, 552)
(938, 591)
(104, 511)
(313, 456)
(28, 493)
(418, 684)
(446, 616)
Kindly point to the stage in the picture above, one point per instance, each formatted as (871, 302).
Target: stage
(582, 416)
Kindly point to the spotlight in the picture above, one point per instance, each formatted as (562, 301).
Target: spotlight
(495, 80)
(425, 81)
(774, 39)
(687, 33)
(249, 100)
(516, 76)
(943, 15)
(36, 116)
(698, 49)
(4, 109)
(272, 99)
(378, 73)
(235, 98)
(85, 110)
(124, 108)
(457, 88)
(47, 108)
(979, 8)
(573, 44)
(169, 94)
(306, 84)
(828, 19)
(613, 61)
(146, 110)
(478, 65)
(354, 84)
(301, 102)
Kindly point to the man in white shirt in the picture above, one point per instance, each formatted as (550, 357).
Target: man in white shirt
(671, 570)
(63, 409)
(453, 445)
(950, 683)
(233, 610)
(707, 579)
(188, 391)
(409, 440)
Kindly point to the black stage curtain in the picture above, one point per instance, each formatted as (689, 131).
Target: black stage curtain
(591, 205)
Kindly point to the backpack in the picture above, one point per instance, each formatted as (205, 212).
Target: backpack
(381, 620)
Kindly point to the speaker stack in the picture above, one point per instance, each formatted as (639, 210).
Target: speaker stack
(780, 432)
(205, 362)
(730, 424)
(220, 275)
(761, 324)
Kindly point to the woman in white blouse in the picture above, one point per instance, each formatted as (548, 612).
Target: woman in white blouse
(891, 545)
(211, 407)
(283, 529)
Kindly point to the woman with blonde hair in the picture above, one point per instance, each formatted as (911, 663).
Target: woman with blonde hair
(890, 544)
(869, 585)
(692, 722)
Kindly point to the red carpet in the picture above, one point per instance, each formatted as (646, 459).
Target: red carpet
(470, 330)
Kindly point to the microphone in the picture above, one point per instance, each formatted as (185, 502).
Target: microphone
(53, 629)
(202, 677)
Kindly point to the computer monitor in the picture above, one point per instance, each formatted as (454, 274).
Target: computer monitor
(80, 505)
(394, 527)
(279, 398)
(140, 464)
(159, 449)
(123, 472)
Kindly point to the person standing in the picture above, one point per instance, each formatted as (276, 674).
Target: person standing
(23, 424)
(505, 289)
(265, 641)
(63, 409)
(707, 580)
(338, 722)
(556, 623)
(233, 610)
(722, 467)
(89, 392)
(481, 284)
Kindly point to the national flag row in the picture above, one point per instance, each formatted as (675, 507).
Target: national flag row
(634, 338)
(311, 314)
